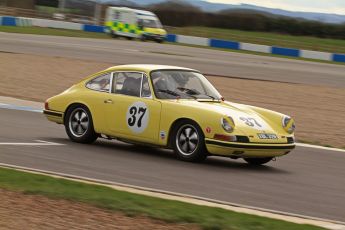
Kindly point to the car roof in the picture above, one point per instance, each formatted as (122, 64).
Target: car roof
(146, 68)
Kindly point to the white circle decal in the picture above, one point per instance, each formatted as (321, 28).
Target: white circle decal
(137, 117)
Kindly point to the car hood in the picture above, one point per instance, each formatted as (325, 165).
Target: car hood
(245, 117)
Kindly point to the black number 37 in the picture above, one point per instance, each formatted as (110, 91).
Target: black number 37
(134, 111)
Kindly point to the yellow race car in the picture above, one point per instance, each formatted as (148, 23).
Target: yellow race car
(169, 107)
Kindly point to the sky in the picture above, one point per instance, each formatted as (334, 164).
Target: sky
(321, 6)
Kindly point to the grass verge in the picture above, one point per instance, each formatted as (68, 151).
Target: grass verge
(265, 38)
(134, 204)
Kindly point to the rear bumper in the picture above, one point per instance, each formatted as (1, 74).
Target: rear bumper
(247, 149)
(54, 116)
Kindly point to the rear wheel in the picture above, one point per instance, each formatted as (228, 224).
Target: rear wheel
(258, 161)
(114, 35)
(79, 125)
(189, 142)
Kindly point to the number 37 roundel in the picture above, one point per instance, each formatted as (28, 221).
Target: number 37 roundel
(137, 117)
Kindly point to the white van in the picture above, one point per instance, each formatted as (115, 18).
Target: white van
(132, 23)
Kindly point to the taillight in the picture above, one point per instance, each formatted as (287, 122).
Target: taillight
(46, 106)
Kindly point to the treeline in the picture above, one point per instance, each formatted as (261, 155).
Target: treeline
(180, 15)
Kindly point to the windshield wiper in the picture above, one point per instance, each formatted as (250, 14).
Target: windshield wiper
(195, 92)
(189, 91)
(167, 91)
(212, 97)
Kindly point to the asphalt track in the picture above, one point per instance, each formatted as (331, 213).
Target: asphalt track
(206, 60)
(308, 181)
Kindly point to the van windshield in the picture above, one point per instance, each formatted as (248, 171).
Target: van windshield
(150, 23)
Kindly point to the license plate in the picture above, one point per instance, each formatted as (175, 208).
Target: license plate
(267, 136)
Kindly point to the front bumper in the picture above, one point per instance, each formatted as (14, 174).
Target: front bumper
(237, 149)
(154, 37)
(54, 116)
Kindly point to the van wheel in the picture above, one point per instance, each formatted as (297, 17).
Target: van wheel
(114, 35)
(129, 38)
(143, 38)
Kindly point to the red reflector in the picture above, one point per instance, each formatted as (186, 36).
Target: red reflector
(46, 106)
(223, 137)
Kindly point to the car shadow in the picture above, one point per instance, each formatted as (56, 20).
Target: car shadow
(159, 154)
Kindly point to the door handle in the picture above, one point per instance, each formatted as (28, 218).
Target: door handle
(108, 101)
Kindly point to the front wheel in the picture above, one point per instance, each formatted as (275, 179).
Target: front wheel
(258, 161)
(189, 142)
(79, 125)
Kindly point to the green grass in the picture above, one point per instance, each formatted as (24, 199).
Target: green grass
(134, 204)
(51, 31)
(265, 38)
(51, 10)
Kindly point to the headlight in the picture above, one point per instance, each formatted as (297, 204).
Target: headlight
(228, 124)
(288, 124)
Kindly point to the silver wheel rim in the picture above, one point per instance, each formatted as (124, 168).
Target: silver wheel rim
(187, 140)
(78, 122)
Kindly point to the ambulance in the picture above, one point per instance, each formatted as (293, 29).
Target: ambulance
(132, 23)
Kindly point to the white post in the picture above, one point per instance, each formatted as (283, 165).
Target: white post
(62, 4)
(97, 15)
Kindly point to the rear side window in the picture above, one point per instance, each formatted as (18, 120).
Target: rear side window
(128, 83)
(100, 83)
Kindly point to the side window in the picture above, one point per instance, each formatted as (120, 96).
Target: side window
(127, 83)
(145, 91)
(100, 83)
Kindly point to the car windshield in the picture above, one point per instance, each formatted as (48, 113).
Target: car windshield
(172, 84)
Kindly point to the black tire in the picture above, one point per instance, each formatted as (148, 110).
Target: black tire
(258, 161)
(142, 38)
(159, 40)
(193, 137)
(113, 35)
(129, 38)
(79, 124)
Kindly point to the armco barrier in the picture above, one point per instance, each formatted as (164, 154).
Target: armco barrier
(338, 57)
(8, 21)
(217, 43)
(93, 28)
(285, 51)
(224, 44)
(171, 38)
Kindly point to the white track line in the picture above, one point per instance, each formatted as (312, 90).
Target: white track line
(40, 143)
(319, 147)
(290, 217)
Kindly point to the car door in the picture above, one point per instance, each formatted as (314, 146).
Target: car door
(131, 111)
